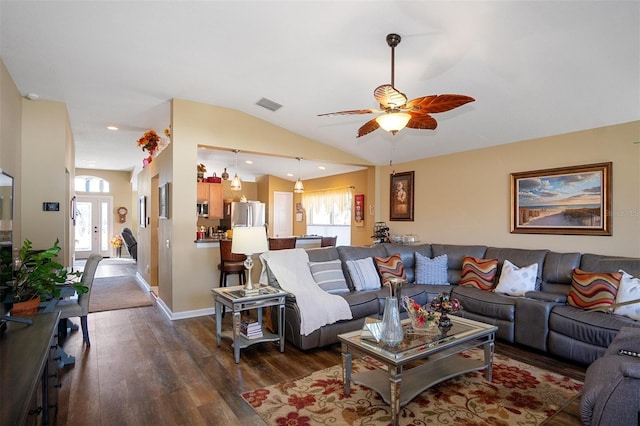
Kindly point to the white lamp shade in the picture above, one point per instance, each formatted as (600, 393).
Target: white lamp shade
(249, 240)
(394, 121)
(298, 188)
(236, 184)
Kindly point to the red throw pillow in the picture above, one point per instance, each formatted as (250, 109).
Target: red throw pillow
(478, 273)
(590, 290)
(390, 267)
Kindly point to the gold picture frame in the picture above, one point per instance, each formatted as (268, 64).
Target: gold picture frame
(573, 200)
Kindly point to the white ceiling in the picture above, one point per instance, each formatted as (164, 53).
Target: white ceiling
(535, 68)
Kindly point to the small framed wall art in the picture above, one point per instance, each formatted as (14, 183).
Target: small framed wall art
(401, 196)
(163, 201)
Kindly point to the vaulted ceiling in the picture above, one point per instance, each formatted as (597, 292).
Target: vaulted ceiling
(535, 68)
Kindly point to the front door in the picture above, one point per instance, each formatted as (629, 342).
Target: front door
(93, 226)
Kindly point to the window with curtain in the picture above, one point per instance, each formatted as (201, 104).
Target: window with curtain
(328, 207)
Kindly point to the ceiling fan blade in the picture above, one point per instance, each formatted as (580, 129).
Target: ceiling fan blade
(352, 111)
(368, 127)
(438, 103)
(389, 97)
(423, 121)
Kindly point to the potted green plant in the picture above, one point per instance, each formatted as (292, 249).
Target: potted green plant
(39, 277)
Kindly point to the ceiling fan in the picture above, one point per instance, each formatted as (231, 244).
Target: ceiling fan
(397, 112)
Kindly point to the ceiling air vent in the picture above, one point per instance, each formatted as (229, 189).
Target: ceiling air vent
(269, 104)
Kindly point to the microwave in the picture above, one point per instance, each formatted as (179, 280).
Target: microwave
(203, 208)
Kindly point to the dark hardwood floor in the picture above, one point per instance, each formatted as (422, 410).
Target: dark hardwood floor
(142, 368)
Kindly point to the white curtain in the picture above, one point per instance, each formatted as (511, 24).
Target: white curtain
(328, 207)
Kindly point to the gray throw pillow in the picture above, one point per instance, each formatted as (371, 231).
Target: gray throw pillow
(363, 274)
(329, 276)
(431, 271)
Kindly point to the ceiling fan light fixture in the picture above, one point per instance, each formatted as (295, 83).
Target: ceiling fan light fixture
(394, 121)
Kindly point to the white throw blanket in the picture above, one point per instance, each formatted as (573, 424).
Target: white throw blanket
(317, 307)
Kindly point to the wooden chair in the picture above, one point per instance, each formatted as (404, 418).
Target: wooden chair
(328, 241)
(282, 243)
(230, 263)
(80, 307)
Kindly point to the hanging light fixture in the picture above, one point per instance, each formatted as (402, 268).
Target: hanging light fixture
(298, 188)
(236, 185)
(394, 121)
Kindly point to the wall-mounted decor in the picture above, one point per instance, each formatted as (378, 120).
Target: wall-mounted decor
(163, 198)
(568, 200)
(401, 196)
(142, 212)
(358, 214)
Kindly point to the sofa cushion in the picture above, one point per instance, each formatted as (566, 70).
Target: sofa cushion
(363, 274)
(628, 291)
(486, 303)
(519, 257)
(592, 290)
(455, 257)
(595, 328)
(602, 263)
(478, 273)
(362, 303)
(329, 276)
(390, 267)
(558, 267)
(431, 271)
(515, 281)
(322, 254)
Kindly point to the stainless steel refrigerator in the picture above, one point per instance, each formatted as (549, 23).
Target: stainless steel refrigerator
(250, 213)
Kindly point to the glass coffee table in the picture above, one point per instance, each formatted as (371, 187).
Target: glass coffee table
(437, 351)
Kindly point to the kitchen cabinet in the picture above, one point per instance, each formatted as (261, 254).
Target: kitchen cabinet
(211, 192)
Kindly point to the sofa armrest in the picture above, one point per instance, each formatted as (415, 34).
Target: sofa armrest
(546, 297)
(630, 369)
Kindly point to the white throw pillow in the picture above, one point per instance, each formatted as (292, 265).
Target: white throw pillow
(363, 274)
(515, 281)
(329, 276)
(629, 290)
(431, 271)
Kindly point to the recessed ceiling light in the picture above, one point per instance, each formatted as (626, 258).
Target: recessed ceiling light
(248, 161)
(112, 128)
(290, 174)
(33, 96)
(322, 167)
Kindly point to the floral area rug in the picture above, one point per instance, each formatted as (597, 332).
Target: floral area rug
(518, 394)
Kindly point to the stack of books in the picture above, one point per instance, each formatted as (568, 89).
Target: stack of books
(251, 330)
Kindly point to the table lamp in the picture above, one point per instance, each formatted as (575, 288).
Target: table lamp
(248, 241)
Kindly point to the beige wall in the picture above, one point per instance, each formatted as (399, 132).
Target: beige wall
(47, 147)
(464, 198)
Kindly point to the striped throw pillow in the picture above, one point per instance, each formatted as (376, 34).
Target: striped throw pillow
(478, 273)
(431, 271)
(390, 267)
(329, 276)
(590, 290)
(363, 274)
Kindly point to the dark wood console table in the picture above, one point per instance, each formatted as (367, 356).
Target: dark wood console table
(29, 371)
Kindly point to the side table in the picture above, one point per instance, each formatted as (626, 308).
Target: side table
(234, 299)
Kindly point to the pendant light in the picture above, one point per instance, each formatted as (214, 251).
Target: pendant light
(298, 188)
(236, 185)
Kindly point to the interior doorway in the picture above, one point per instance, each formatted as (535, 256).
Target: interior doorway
(282, 214)
(93, 226)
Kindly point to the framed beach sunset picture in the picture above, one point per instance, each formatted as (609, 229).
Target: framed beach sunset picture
(572, 200)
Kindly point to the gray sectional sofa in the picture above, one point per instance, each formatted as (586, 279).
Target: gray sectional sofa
(541, 319)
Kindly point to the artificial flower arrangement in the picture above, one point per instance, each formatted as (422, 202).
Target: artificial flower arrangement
(150, 142)
(117, 241)
(202, 168)
(421, 318)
